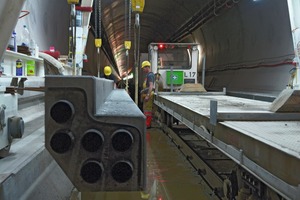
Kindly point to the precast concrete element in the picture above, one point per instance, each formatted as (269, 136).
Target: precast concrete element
(95, 133)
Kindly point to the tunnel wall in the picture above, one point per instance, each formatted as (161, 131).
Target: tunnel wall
(49, 28)
(46, 27)
(248, 47)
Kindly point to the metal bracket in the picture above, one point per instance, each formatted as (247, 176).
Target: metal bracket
(213, 112)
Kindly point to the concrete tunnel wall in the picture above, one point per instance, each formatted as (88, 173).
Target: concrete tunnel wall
(46, 27)
(243, 38)
(51, 29)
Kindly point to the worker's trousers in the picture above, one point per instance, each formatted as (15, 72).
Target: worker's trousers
(147, 109)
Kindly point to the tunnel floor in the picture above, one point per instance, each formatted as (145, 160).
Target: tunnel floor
(170, 175)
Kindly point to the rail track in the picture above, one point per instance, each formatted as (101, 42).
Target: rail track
(225, 178)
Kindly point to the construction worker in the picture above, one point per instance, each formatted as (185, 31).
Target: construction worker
(159, 86)
(108, 74)
(147, 94)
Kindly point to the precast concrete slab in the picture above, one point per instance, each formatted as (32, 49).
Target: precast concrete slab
(259, 140)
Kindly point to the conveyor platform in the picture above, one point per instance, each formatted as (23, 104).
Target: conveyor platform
(266, 144)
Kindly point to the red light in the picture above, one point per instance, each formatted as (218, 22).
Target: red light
(161, 46)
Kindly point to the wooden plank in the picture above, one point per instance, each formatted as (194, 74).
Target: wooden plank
(287, 101)
(190, 87)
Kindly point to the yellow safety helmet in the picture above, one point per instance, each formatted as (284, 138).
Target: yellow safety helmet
(107, 70)
(146, 63)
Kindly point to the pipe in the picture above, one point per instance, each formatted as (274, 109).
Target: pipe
(294, 7)
(84, 8)
(203, 70)
(205, 14)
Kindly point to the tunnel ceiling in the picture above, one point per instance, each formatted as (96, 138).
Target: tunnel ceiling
(158, 23)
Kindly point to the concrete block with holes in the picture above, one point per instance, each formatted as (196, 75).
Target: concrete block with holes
(95, 133)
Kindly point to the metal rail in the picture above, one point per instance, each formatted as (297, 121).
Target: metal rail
(214, 181)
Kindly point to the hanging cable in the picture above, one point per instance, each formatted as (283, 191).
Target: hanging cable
(129, 21)
(127, 42)
(128, 46)
(136, 52)
(70, 53)
(98, 40)
(212, 9)
(125, 20)
(73, 13)
(138, 39)
(73, 33)
(95, 19)
(215, 5)
(137, 7)
(100, 18)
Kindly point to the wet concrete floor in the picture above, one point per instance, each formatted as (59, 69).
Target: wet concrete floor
(170, 175)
